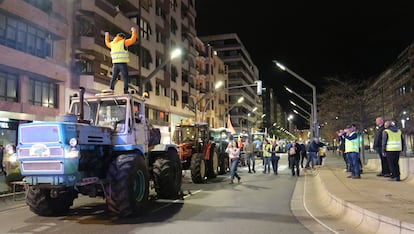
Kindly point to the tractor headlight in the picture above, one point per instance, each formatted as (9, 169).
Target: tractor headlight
(73, 142)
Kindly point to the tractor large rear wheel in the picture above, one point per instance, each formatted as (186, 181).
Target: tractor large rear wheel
(198, 168)
(127, 192)
(168, 175)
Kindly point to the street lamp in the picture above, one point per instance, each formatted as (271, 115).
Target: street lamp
(296, 105)
(240, 100)
(298, 113)
(174, 54)
(315, 110)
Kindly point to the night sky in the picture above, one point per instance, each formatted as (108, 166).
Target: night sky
(315, 39)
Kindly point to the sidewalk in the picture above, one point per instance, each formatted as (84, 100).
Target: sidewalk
(371, 203)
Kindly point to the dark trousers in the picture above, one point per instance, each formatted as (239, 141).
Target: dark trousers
(303, 155)
(294, 163)
(275, 163)
(116, 69)
(385, 169)
(393, 157)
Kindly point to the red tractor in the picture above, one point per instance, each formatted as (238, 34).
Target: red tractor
(196, 150)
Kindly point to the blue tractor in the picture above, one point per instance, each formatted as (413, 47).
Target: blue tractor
(102, 148)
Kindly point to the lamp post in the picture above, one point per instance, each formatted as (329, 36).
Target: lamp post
(315, 110)
(217, 86)
(300, 108)
(174, 54)
(240, 100)
(311, 126)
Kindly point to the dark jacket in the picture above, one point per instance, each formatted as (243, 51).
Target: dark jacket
(314, 147)
(378, 139)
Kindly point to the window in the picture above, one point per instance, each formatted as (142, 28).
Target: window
(23, 36)
(145, 29)
(146, 58)
(184, 97)
(174, 97)
(184, 75)
(174, 73)
(174, 26)
(157, 89)
(8, 87)
(160, 38)
(43, 93)
(173, 5)
(44, 5)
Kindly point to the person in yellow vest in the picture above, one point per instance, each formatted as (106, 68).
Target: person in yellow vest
(392, 145)
(267, 148)
(120, 56)
(352, 151)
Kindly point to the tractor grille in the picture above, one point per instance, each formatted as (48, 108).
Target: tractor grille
(42, 166)
(54, 152)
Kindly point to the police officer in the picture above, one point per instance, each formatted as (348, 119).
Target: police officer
(392, 146)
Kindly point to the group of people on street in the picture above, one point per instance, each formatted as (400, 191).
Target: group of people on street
(270, 153)
(388, 143)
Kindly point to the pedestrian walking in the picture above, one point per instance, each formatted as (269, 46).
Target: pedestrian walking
(234, 156)
(294, 157)
(392, 144)
(120, 56)
(258, 147)
(322, 155)
(352, 150)
(248, 149)
(266, 156)
(313, 149)
(303, 154)
(275, 157)
(385, 170)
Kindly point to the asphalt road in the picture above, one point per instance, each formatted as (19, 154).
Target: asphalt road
(261, 203)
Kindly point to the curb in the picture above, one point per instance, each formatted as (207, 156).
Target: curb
(362, 219)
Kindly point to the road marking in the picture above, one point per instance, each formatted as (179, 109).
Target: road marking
(169, 201)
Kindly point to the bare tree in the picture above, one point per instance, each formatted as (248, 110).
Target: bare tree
(346, 101)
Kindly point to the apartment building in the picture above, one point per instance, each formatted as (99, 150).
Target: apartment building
(394, 87)
(35, 62)
(242, 75)
(51, 48)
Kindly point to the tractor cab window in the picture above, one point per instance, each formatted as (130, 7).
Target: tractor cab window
(138, 112)
(112, 114)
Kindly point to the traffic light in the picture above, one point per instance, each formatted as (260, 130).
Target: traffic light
(259, 87)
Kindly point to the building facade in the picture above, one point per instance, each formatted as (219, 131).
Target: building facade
(242, 75)
(51, 48)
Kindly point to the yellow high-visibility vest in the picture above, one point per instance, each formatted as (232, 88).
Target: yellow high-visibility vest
(394, 141)
(266, 149)
(352, 145)
(118, 52)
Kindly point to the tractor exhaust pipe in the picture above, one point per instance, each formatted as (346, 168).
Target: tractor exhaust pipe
(81, 99)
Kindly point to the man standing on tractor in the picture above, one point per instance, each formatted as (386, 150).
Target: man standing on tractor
(120, 56)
